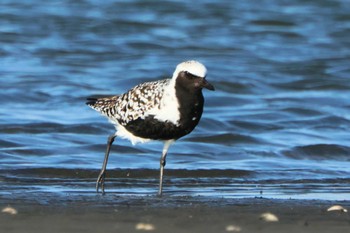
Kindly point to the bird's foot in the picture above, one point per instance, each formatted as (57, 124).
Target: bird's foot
(101, 182)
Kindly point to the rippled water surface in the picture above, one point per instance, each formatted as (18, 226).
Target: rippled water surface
(276, 126)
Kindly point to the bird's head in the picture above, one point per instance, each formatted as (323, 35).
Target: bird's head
(192, 76)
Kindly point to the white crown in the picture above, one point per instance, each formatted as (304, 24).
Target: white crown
(194, 67)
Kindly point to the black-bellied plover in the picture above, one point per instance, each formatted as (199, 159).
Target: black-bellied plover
(162, 110)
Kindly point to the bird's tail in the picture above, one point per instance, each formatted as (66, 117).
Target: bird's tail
(102, 103)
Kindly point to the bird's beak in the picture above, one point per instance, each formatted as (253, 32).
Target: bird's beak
(207, 85)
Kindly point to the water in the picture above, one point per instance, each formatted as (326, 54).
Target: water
(277, 125)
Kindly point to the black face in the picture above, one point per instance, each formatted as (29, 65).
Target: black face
(192, 82)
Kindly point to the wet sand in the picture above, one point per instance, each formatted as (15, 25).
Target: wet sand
(47, 212)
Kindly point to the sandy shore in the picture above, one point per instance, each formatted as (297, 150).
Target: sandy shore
(110, 213)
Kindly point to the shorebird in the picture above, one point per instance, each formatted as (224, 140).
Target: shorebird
(164, 110)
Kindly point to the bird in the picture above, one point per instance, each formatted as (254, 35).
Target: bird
(163, 110)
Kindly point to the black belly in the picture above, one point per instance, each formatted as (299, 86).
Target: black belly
(152, 128)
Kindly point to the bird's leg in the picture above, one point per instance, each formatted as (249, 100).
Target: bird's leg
(162, 164)
(101, 177)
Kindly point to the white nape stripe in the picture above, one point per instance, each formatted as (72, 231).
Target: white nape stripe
(169, 106)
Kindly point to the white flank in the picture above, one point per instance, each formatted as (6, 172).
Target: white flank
(123, 133)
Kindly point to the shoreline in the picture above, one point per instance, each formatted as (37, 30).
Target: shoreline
(111, 213)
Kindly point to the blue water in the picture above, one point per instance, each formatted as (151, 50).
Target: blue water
(277, 125)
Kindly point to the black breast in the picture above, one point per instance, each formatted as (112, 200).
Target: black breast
(190, 108)
(154, 129)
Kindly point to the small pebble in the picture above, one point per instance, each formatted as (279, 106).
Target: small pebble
(145, 227)
(269, 217)
(9, 210)
(337, 208)
(233, 228)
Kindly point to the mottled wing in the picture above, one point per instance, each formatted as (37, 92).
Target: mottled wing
(140, 100)
(132, 105)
